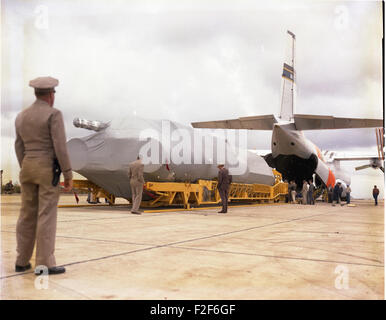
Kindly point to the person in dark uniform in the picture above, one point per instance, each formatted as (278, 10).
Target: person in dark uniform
(9, 188)
(310, 193)
(329, 194)
(336, 195)
(224, 181)
(375, 195)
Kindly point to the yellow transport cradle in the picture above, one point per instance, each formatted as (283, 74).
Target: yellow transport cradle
(204, 192)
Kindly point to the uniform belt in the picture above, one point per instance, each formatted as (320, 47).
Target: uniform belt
(39, 154)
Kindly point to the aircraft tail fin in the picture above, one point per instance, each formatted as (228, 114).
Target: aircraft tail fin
(288, 83)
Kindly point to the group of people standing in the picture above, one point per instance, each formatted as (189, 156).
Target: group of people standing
(308, 192)
(308, 189)
(337, 194)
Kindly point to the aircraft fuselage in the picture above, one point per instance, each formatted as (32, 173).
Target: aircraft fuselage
(297, 158)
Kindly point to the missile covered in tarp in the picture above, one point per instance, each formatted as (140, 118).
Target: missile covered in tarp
(170, 152)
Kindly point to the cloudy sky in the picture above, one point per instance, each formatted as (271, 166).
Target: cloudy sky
(193, 61)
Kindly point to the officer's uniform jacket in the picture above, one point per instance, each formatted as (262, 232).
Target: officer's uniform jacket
(40, 134)
(136, 171)
(224, 179)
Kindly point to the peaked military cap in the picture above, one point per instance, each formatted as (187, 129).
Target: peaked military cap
(44, 84)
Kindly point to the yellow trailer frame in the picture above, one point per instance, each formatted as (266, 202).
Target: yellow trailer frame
(203, 192)
(95, 190)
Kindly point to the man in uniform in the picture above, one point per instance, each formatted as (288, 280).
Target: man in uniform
(375, 195)
(40, 137)
(329, 194)
(9, 188)
(292, 188)
(304, 192)
(224, 180)
(310, 193)
(136, 184)
(336, 195)
(348, 194)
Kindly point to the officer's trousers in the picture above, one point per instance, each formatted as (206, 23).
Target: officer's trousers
(136, 194)
(348, 197)
(375, 196)
(336, 199)
(310, 198)
(304, 197)
(38, 213)
(293, 195)
(224, 198)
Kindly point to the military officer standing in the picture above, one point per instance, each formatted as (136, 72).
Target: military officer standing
(40, 138)
(136, 184)
(310, 192)
(304, 192)
(224, 181)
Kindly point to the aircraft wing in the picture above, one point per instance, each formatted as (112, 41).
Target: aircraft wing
(252, 123)
(315, 122)
(374, 162)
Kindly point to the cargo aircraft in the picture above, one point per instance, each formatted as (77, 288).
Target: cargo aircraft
(292, 154)
(104, 156)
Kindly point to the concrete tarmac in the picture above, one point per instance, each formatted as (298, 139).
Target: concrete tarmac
(260, 252)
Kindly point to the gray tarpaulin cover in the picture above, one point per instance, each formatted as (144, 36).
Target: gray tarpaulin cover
(104, 156)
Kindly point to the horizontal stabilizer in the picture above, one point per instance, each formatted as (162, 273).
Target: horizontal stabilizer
(252, 123)
(315, 122)
(354, 158)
